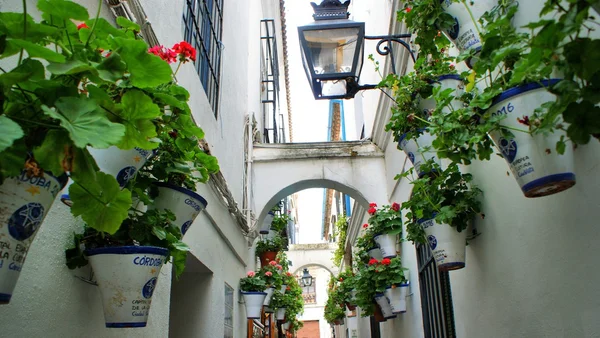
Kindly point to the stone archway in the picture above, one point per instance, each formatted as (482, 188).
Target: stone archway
(353, 168)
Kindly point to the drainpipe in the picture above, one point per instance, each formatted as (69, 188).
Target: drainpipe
(249, 171)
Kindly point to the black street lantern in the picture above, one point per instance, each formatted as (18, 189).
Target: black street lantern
(307, 279)
(332, 51)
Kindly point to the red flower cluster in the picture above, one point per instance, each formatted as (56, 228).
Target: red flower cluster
(408, 9)
(373, 205)
(268, 274)
(372, 211)
(164, 53)
(272, 263)
(395, 206)
(373, 261)
(289, 274)
(386, 261)
(365, 226)
(82, 25)
(185, 51)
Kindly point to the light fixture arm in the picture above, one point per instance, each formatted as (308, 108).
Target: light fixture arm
(387, 48)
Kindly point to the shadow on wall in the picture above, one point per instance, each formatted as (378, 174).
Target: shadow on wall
(191, 313)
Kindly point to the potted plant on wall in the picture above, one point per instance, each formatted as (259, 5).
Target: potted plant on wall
(253, 287)
(395, 277)
(386, 224)
(370, 295)
(127, 263)
(415, 101)
(366, 246)
(279, 224)
(347, 288)
(438, 212)
(50, 121)
(271, 273)
(267, 249)
(334, 309)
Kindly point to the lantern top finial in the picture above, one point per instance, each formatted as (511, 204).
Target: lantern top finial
(331, 10)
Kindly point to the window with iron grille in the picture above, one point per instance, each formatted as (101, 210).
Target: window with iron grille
(436, 297)
(203, 29)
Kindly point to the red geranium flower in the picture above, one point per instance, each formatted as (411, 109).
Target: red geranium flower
(268, 273)
(386, 261)
(164, 53)
(395, 206)
(341, 279)
(365, 226)
(373, 205)
(373, 261)
(408, 9)
(372, 211)
(289, 274)
(273, 263)
(185, 51)
(250, 274)
(82, 25)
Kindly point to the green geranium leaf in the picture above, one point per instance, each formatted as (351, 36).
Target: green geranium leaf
(159, 232)
(83, 165)
(9, 132)
(69, 67)
(51, 153)
(84, 121)
(12, 159)
(34, 51)
(171, 101)
(188, 127)
(121, 21)
(112, 68)
(179, 259)
(11, 25)
(138, 112)
(29, 69)
(147, 70)
(63, 9)
(101, 202)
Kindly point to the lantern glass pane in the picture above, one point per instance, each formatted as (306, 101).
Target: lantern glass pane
(332, 49)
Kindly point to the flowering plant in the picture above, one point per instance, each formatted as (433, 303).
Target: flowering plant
(365, 243)
(365, 290)
(279, 300)
(274, 244)
(253, 282)
(347, 284)
(271, 275)
(390, 273)
(385, 220)
(334, 307)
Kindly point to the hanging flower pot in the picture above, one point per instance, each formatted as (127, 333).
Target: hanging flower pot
(285, 326)
(24, 203)
(184, 203)
(424, 141)
(447, 245)
(266, 225)
(375, 253)
(283, 288)
(267, 257)
(269, 292)
(271, 234)
(396, 294)
(384, 305)
(254, 303)
(538, 168)
(268, 309)
(339, 321)
(465, 34)
(119, 163)
(378, 314)
(351, 305)
(122, 164)
(127, 277)
(281, 314)
(387, 244)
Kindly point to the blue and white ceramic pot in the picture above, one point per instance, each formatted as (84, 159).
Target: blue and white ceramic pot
(266, 225)
(465, 33)
(184, 203)
(447, 245)
(281, 314)
(396, 294)
(419, 150)
(254, 303)
(119, 163)
(533, 160)
(375, 253)
(24, 203)
(387, 244)
(384, 305)
(269, 292)
(127, 278)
